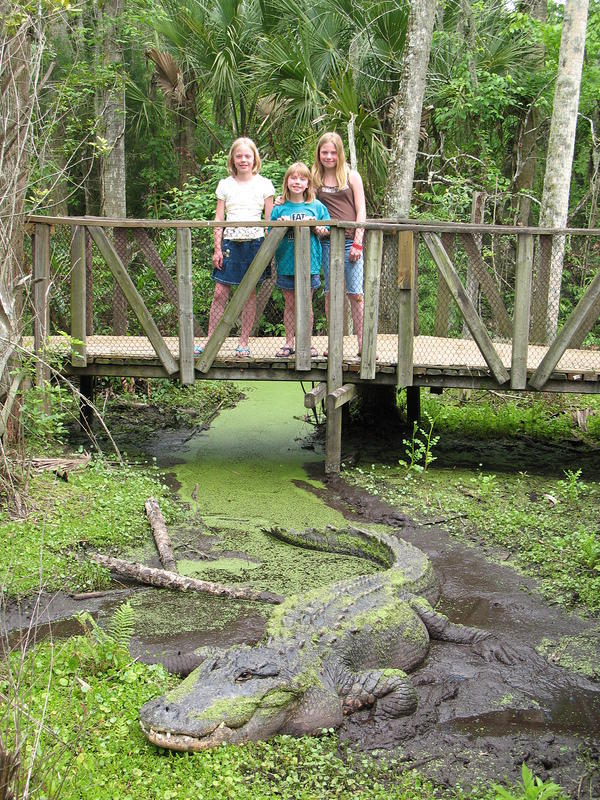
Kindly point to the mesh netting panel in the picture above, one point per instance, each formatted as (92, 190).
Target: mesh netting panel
(485, 263)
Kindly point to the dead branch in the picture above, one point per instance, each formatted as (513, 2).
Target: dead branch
(161, 535)
(171, 580)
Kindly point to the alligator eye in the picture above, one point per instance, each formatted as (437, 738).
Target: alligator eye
(244, 675)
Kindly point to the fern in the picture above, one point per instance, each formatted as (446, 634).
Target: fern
(121, 626)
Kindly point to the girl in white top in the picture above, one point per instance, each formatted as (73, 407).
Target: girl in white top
(243, 196)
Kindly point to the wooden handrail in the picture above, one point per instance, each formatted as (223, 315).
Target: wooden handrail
(390, 225)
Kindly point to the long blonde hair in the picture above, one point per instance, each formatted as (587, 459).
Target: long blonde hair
(300, 168)
(341, 169)
(243, 141)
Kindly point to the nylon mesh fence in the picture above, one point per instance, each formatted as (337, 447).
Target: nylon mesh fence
(485, 263)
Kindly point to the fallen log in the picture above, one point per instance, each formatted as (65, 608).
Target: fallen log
(172, 580)
(161, 536)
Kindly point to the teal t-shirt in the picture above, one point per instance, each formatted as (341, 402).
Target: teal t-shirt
(284, 257)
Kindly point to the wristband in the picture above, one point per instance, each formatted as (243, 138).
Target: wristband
(358, 246)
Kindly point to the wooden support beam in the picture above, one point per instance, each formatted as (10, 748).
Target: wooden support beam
(487, 283)
(406, 322)
(234, 308)
(373, 256)
(315, 395)
(566, 334)
(186, 306)
(302, 297)
(154, 260)
(333, 445)
(41, 307)
(343, 395)
(444, 298)
(520, 335)
(78, 297)
(134, 299)
(467, 309)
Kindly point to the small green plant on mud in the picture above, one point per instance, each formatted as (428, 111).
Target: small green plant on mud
(487, 484)
(572, 487)
(589, 546)
(531, 788)
(418, 449)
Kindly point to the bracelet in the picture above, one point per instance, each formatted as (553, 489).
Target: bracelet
(357, 246)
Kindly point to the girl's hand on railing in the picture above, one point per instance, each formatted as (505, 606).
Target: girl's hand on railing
(217, 259)
(321, 230)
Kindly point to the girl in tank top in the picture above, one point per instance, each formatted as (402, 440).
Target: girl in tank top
(341, 190)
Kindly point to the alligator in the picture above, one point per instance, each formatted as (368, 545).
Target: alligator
(327, 653)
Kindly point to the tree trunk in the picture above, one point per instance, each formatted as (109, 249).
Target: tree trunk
(18, 76)
(112, 165)
(405, 126)
(525, 149)
(561, 145)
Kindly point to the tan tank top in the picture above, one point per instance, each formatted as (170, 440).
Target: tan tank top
(339, 203)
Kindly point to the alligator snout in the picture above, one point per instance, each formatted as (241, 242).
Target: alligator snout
(160, 713)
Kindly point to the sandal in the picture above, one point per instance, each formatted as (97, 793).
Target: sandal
(325, 353)
(198, 350)
(242, 352)
(285, 352)
(313, 352)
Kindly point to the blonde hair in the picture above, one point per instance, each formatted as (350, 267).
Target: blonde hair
(341, 169)
(300, 168)
(243, 141)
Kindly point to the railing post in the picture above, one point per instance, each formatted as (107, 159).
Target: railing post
(520, 333)
(333, 447)
(41, 309)
(185, 305)
(78, 297)
(406, 320)
(373, 255)
(302, 296)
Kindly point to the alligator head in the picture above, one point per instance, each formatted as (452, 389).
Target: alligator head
(243, 694)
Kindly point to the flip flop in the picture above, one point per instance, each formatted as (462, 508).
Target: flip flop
(242, 352)
(314, 352)
(285, 352)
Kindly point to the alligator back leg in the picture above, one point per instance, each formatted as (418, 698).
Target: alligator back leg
(484, 643)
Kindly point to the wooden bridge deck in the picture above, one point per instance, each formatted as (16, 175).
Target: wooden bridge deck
(437, 361)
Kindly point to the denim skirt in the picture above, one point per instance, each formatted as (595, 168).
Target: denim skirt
(289, 281)
(237, 257)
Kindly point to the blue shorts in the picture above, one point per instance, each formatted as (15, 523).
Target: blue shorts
(288, 281)
(353, 270)
(237, 257)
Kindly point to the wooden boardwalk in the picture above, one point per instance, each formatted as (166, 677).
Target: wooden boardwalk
(437, 361)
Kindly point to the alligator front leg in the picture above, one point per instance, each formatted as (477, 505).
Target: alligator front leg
(485, 644)
(389, 692)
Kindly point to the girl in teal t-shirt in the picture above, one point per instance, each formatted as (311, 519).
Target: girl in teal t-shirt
(298, 203)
